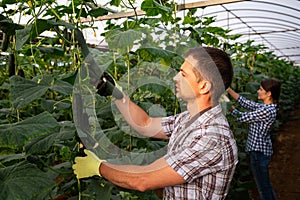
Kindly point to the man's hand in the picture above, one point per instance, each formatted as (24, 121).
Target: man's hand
(106, 86)
(87, 166)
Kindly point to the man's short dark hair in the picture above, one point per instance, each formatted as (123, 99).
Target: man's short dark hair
(213, 65)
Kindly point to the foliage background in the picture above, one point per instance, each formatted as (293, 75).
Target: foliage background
(38, 138)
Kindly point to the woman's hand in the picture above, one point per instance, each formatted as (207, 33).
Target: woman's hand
(232, 108)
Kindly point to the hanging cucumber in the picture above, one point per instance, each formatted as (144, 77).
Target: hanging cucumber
(21, 73)
(105, 84)
(5, 42)
(82, 122)
(9, 29)
(11, 65)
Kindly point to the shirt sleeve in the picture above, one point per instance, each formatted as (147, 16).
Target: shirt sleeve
(201, 157)
(236, 112)
(262, 114)
(169, 123)
(248, 104)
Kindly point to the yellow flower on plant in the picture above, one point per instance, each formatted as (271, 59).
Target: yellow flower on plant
(29, 4)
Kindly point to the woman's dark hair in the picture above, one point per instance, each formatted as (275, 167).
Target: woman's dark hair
(272, 85)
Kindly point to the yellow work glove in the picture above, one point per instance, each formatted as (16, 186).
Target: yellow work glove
(87, 166)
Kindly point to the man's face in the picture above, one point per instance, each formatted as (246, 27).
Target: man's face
(186, 85)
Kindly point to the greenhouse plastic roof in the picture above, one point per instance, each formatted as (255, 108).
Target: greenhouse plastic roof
(273, 23)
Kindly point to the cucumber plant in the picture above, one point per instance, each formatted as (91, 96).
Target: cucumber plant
(38, 138)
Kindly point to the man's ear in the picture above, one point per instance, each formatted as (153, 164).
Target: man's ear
(204, 87)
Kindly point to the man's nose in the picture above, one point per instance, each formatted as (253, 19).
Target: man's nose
(176, 77)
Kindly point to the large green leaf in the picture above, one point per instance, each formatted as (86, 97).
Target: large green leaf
(43, 143)
(31, 32)
(153, 8)
(10, 157)
(5, 2)
(99, 189)
(152, 53)
(115, 2)
(123, 41)
(22, 36)
(34, 30)
(17, 134)
(52, 105)
(98, 12)
(8, 26)
(62, 87)
(54, 52)
(23, 181)
(25, 91)
(39, 27)
(53, 23)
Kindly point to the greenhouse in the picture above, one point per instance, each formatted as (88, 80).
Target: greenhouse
(104, 100)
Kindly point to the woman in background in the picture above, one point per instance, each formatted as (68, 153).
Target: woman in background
(259, 145)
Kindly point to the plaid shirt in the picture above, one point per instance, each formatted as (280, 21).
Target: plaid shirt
(203, 151)
(261, 118)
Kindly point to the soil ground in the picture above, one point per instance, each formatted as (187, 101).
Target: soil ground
(285, 163)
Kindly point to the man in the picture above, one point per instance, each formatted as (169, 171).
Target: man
(202, 153)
